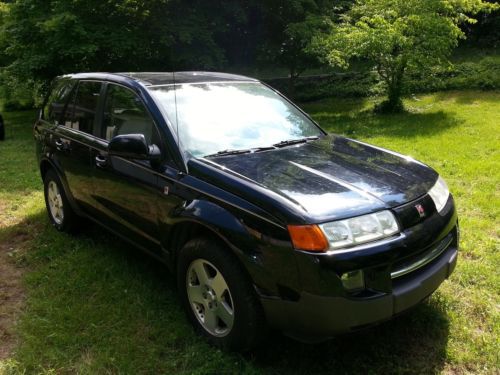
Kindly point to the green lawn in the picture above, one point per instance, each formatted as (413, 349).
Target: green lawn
(94, 304)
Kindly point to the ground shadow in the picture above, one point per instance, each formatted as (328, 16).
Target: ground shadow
(343, 106)
(467, 97)
(408, 125)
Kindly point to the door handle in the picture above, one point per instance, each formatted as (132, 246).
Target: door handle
(101, 161)
(60, 145)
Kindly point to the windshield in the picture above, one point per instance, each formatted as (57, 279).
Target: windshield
(213, 117)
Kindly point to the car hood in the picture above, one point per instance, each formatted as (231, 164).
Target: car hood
(330, 178)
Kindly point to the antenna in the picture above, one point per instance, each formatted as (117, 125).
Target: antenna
(176, 112)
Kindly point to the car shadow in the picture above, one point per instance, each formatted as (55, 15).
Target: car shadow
(412, 343)
(96, 263)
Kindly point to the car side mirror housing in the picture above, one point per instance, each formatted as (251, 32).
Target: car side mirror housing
(133, 146)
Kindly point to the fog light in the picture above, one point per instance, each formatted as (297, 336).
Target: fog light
(353, 280)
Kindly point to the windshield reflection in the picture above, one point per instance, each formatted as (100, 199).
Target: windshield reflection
(231, 116)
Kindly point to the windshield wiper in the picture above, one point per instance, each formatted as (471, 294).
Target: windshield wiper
(242, 151)
(229, 152)
(295, 141)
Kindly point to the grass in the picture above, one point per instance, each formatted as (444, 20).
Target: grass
(94, 304)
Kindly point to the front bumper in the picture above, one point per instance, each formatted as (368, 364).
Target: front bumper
(314, 318)
(398, 275)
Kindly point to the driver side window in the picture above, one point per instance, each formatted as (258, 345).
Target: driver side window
(124, 113)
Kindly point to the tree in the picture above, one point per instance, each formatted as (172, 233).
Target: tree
(44, 38)
(399, 37)
(289, 29)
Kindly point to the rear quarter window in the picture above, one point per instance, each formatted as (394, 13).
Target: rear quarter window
(57, 100)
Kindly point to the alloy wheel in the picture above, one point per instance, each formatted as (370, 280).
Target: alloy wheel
(210, 298)
(55, 202)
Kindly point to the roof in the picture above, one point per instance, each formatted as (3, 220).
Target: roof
(162, 78)
(167, 78)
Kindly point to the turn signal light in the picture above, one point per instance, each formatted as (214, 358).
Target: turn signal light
(308, 237)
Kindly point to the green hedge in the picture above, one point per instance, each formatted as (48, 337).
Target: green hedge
(483, 75)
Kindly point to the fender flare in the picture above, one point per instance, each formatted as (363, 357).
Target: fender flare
(218, 221)
(215, 221)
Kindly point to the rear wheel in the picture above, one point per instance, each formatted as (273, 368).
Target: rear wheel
(218, 296)
(60, 213)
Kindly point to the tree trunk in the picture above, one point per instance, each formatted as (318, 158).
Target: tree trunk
(394, 81)
(291, 83)
(394, 102)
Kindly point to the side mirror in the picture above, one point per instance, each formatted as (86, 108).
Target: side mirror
(133, 146)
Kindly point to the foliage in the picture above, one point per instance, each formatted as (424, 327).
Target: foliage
(486, 33)
(399, 37)
(42, 39)
(96, 305)
(290, 28)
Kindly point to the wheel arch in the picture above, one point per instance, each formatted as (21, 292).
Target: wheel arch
(45, 165)
(259, 246)
(188, 229)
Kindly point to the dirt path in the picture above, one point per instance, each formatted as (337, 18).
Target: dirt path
(11, 290)
(16, 233)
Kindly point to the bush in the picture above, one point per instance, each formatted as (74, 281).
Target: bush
(17, 95)
(321, 86)
(483, 75)
(18, 105)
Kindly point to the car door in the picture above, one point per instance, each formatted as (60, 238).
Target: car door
(73, 137)
(125, 190)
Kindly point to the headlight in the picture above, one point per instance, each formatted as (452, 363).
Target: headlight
(439, 194)
(359, 230)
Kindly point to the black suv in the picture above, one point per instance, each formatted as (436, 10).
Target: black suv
(264, 218)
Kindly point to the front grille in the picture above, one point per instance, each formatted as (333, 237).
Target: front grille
(420, 260)
(408, 214)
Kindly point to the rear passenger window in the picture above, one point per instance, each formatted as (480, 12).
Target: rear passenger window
(56, 102)
(124, 113)
(80, 114)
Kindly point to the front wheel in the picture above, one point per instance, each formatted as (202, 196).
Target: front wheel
(218, 296)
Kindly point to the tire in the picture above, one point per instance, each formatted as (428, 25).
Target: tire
(61, 215)
(221, 302)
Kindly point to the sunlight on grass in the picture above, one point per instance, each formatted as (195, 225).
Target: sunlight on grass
(95, 304)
